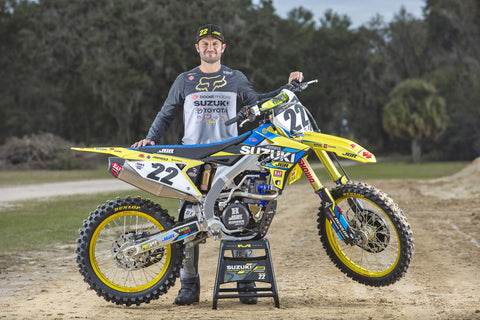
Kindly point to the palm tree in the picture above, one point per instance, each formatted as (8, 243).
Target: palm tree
(415, 111)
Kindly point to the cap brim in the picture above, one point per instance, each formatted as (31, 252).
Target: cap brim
(206, 36)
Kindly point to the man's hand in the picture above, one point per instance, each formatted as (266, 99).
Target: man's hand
(143, 143)
(296, 75)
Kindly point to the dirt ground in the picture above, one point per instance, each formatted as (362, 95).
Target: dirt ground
(443, 281)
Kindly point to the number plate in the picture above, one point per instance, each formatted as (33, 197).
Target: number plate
(293, 119)
(165, 173)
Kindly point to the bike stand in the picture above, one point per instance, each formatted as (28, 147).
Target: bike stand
(245, 269)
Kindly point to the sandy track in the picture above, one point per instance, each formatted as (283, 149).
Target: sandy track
(443, 281)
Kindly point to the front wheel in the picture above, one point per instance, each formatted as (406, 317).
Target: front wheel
(110, 270)
(384, 246)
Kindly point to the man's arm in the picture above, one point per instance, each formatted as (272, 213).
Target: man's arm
(172, 106)
(249, 96)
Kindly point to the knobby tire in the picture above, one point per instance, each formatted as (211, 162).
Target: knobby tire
(385, 253)
(119, 278)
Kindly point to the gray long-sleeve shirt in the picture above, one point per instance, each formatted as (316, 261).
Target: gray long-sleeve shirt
(207, 100)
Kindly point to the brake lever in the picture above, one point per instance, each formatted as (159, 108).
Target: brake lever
(250, 118)
(306, 84)
(243, 122)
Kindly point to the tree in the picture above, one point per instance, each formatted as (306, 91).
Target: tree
(415, 111)
(98, 71)
(453, 39)
(18, 87)
(391, 52)
(331, 55)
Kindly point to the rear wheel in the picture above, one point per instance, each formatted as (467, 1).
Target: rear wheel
(385, 246)
(111, 271)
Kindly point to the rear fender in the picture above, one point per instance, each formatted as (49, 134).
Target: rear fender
(342, 147)
(130, 154)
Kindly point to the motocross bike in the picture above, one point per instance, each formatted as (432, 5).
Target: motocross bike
(130, 250)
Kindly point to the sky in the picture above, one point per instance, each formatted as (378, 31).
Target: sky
(359, 11)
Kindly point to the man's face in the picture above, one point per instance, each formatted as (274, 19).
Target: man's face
(210, 49)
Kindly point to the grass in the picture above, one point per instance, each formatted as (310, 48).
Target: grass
(38, 225)
(399, 170)
(12, 178)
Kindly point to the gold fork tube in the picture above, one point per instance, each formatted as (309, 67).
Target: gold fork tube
(330, 166)
(310, 174)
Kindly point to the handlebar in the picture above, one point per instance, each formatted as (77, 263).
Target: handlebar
(250, 112)
(233, 120)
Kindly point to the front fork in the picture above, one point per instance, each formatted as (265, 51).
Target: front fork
(334, 214)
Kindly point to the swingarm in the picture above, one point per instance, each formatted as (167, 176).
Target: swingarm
(163, 239)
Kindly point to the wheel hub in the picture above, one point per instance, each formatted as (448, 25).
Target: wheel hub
(372, 230)
(126, 258)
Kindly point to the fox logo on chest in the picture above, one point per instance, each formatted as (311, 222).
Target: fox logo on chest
(211, 83)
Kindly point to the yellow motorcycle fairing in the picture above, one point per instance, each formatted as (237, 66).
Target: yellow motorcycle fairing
(295, 172)
(285, 172)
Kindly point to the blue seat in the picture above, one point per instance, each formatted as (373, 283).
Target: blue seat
(197, 151)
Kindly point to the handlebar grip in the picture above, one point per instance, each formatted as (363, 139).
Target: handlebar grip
(297, 86)
(233, 120)
(295, 82)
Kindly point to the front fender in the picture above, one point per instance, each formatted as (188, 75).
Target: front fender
(342, 147)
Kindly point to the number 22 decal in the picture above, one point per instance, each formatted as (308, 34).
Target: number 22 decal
(292, 115)
(160, 168)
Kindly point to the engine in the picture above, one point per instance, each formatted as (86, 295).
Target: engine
(248, 208)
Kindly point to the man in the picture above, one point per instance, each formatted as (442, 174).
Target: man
(208, 96)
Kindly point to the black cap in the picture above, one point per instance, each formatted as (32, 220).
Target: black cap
(210, 30)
